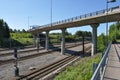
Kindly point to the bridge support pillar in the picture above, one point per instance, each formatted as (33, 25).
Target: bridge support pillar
(63, 41)
(47, 40)
(35, 37)
(94, 39)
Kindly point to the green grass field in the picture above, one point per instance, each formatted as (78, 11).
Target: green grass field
(118, 40)
(81, 70)
(23, 38)
(25, 41)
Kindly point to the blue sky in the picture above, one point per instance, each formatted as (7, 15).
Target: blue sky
(16, 12)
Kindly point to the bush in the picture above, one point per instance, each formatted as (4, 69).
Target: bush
(21, 39)
(101, 43)
(81, 70)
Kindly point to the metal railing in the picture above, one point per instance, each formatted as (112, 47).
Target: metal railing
(101, 12)
(100, 70)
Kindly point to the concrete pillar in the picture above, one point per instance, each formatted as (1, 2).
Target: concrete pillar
(63, 42)
(34, 39)
(94, 38)
(47, 40)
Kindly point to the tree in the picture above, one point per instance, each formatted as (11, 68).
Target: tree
(67, 33)
(4, 33)
(18, 31)
(114, 31)
(86, 34)
(23, 30)
(4, 29)
(14, 30)
(78, 33)
(7, 32)
(101, 42)
(1, 28)
(11, 30)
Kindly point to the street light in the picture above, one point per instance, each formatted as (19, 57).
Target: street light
(115, 31)
(51, 13)
(108, 1)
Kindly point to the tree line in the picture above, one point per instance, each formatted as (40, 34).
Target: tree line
(4, 29)
(114, 34)
(18, 31)
(114, 31)
(4, 33)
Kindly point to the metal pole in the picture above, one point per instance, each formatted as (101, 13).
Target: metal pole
(83, 43)
(107, 24)
(28, 23)
(16, 63)
(107, 37)
(51, 13)
(115, 31)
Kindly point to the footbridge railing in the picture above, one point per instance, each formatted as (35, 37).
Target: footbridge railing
(101, 12)
(100, 70)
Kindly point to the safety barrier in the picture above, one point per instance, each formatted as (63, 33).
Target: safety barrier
(100, 70)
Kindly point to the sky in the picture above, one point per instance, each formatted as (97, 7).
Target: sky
(20, 14)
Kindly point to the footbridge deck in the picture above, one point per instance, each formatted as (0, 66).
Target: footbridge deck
(82, 20)
(112, 71)
(109, 66)
(92, 19)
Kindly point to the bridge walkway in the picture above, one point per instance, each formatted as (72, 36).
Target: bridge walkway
(113, 67)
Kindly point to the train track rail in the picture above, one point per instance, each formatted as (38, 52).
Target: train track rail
(20, 52)
(2, 62)
(30, 50)
(42, 72)
(37, 74)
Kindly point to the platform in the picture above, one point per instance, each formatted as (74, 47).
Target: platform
(113, 67)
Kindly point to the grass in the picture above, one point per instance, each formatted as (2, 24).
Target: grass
(118, 40)
(25, 41)
(21, 35)
(81, 70)
(23, 38)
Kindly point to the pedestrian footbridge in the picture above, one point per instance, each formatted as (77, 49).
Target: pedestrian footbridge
(93, 19)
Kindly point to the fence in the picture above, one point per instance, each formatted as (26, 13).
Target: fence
(100, 70)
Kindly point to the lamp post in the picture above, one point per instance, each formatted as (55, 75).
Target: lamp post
(83, 43)
(115, 31)
(108, 1)
(51, 13)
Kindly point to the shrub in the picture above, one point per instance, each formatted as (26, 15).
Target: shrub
(81, 70)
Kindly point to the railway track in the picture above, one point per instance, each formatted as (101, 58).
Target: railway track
(42, 72)
(37, 74)
(2, 62)
(20, 52)
(31, 50)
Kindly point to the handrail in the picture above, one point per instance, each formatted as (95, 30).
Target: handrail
(79, 17)
(102, 65)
